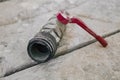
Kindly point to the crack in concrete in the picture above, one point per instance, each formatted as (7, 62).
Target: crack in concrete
(79, 46)
(20, 69)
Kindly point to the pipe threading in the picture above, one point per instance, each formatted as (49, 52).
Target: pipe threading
(44, 45)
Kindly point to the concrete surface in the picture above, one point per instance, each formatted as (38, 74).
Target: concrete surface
(20, 20)
(89, 63)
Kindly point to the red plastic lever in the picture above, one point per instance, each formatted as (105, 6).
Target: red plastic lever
(63, 18)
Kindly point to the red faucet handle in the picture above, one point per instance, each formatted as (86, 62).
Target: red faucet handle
(63, 17)
(101, 40)
(86, 28)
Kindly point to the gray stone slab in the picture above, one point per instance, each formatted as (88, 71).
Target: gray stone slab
(15, 10)
(107, 10)
(14, 37)
(16, 19)
(89, 63)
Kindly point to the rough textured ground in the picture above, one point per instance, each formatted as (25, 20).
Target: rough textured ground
(20, 20)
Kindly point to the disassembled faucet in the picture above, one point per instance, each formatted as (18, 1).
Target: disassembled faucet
(44, 45)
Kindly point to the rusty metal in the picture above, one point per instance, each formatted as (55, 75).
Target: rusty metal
(44, 45)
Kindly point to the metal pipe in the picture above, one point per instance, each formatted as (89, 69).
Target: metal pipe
(44, 45)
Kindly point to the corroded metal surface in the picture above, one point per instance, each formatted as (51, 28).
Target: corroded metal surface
(44, 45)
